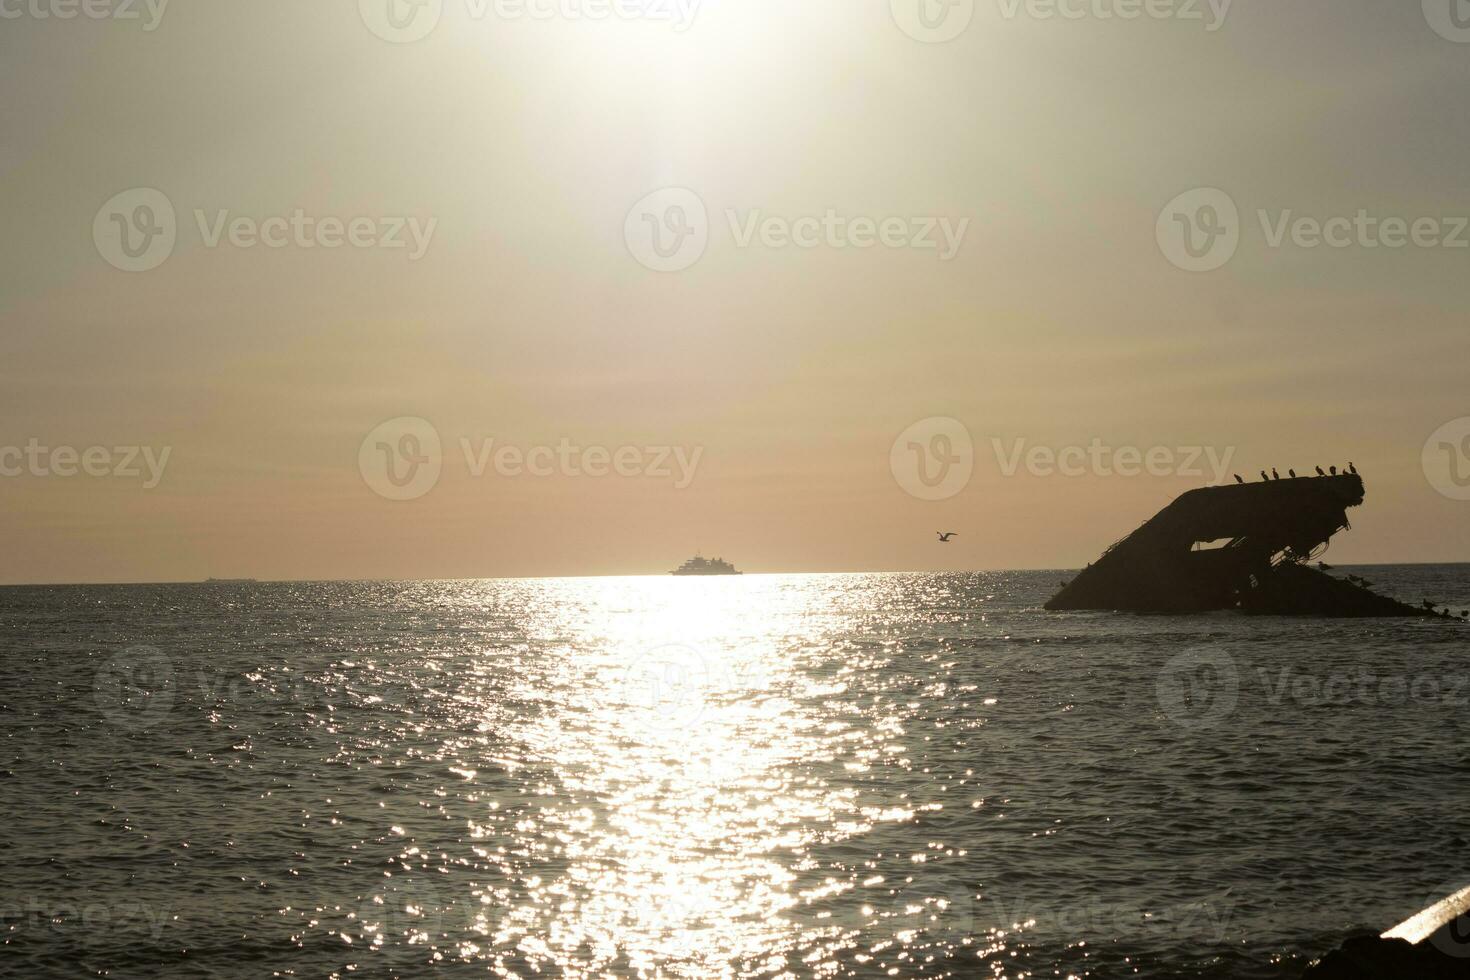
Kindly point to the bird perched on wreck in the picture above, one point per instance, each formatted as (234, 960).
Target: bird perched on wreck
(1238, 479)
(1274, 474)
(1291, 473)
(1333, 469)
(1319, 472)
(1352, 469)
(1265, 477)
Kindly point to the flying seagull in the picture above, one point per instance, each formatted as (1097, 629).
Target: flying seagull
(944, 536)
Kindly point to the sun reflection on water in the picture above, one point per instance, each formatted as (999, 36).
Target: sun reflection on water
(676, 727)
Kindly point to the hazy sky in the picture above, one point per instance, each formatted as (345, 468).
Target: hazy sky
(522, 151)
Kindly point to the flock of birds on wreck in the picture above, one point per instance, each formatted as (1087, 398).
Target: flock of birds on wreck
(1291, 474)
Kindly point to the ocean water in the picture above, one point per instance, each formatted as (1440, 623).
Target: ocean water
(909, 775)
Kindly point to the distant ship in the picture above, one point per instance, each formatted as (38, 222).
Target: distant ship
(706, 566)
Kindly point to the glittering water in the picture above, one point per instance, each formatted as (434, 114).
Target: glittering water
(767, 776)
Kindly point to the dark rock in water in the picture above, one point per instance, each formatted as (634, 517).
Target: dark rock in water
(1242, 546)
(1431, 945)
(1375, 958)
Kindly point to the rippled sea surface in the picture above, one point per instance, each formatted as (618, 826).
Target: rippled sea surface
(766, 776)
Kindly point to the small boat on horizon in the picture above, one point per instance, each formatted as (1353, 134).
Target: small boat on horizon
(699, 565)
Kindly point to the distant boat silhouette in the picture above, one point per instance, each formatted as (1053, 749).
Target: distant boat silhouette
(699, 565)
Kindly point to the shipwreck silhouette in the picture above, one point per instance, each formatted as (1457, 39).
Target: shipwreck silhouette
(1243, 546)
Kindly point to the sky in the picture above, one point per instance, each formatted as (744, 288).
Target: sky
(493, 288)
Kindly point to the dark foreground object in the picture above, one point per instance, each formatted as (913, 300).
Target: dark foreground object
(1433, 945)
(1243, 547)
